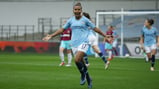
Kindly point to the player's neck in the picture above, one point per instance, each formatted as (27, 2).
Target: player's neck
(149, 27)
(77, 18)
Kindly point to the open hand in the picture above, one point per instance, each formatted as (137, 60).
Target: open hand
(47, 37)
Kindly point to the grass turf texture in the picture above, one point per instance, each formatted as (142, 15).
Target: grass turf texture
(41, 71)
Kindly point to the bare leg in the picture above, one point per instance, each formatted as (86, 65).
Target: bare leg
(96, 49)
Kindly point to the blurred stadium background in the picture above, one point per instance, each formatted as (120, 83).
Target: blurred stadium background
(27, 62)
(24, 22)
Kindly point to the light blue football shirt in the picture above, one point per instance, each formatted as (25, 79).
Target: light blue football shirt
(92, 32)
(149, 35)
(80, 30)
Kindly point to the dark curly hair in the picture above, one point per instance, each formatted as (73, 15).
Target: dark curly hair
(86, 15)
(150, 21)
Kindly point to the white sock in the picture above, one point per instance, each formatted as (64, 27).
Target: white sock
(146, 57)
(110, 54)
(61, 54)
(69, 58)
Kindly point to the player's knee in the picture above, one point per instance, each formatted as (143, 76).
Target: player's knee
(78, 59)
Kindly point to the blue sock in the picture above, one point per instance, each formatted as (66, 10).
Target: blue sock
(84, 68)
(88, 78)
(80, 67)
(86, 59)
(103, 57)
(153, 61)
(87, 75)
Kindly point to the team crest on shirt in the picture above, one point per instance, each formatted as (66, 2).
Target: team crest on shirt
(82, 22)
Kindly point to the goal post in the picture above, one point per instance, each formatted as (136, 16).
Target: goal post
(128, 23)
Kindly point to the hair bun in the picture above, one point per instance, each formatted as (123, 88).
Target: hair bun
(78, 4)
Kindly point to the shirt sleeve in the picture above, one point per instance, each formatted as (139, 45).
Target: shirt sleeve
(157, 32)
(142, 32)
(90, 24)
(67, 25)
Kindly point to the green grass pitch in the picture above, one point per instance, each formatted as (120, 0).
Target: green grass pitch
(41, 71)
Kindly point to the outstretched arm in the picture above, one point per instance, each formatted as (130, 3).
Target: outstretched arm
(48, 37)
(57, 32)
(99, 31)
(104, 39)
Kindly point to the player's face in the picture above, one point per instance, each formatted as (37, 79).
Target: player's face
(109, 37)
(146, 23)
(110, 28)
(77, 11)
